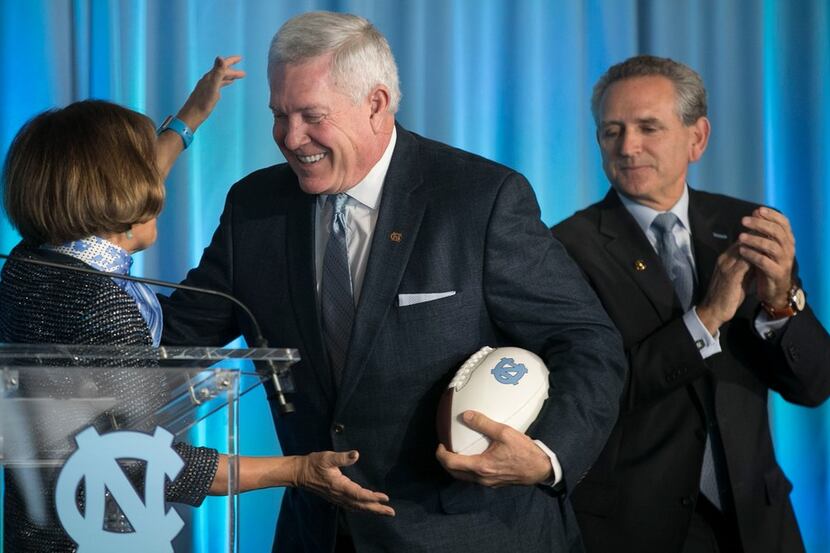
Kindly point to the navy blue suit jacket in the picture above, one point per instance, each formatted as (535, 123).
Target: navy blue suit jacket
(466, 225)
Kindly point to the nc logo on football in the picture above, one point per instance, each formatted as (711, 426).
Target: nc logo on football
(507, 371)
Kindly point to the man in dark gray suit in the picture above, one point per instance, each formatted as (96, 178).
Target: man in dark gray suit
(388, 259)
(705, 292)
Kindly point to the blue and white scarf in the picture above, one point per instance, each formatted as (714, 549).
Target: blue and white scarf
(106, 256)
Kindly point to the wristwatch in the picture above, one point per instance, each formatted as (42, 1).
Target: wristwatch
(796, 300)
(172, 123)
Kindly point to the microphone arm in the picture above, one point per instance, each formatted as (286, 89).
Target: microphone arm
(283, 405)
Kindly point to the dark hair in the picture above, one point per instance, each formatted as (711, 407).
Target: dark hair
(86, 169)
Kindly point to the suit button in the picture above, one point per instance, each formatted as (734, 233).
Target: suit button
(793, 353)
(338, 428)
(686, 502)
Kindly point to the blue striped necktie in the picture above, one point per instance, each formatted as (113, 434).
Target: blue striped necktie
(336, 297)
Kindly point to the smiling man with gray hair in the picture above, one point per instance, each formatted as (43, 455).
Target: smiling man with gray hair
(388, 259)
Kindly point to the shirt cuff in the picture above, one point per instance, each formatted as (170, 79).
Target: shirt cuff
(768, 328)
(707, 344)
(554, 463)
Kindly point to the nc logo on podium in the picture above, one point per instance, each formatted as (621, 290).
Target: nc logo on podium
(95, 462)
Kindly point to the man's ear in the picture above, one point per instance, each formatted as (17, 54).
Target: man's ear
(700, 131)
(378, 107)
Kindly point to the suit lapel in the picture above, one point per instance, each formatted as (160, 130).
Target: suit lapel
(401, 211)
(709, 238)
(300, 248)
(635, 256)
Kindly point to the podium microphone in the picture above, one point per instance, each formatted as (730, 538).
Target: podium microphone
(283, 405)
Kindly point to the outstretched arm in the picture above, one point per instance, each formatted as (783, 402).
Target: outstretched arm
(318, 472)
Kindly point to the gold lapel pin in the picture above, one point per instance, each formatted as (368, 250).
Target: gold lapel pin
(639, 265)
(395, 236)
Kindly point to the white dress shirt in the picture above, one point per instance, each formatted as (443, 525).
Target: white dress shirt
(361, 209)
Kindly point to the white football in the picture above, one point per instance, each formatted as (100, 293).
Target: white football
(508, 385)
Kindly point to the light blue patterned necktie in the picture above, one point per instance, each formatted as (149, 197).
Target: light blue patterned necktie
(674, 258)
(679, 269)
(103, 255)
(336, 297)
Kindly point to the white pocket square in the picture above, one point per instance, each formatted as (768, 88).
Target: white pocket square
(412, 299)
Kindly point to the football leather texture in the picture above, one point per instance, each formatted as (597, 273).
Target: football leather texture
(508, 385)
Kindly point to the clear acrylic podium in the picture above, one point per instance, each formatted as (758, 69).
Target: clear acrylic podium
(69, 414)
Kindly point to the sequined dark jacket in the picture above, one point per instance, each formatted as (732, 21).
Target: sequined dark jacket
(49, 305)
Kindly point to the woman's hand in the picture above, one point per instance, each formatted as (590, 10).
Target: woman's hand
(203, 99)
(196, 109)
(319, 472)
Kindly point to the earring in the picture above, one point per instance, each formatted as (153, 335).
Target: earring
(129, 234)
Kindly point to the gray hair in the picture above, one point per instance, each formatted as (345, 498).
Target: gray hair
(362, 57)
(691, 94)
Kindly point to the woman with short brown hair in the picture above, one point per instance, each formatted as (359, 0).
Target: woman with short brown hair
(84, 185)
(86, 169)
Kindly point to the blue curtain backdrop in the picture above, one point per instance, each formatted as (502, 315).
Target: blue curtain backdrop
(508, 79)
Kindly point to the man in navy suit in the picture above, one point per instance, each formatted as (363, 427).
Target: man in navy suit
(705, 292)
(388, 259)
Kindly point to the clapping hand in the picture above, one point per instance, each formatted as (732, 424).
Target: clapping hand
(770, 248)
(727, 289)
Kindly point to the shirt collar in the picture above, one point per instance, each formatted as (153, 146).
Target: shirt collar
(368, 191)
(645, 215)
(98, 253)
